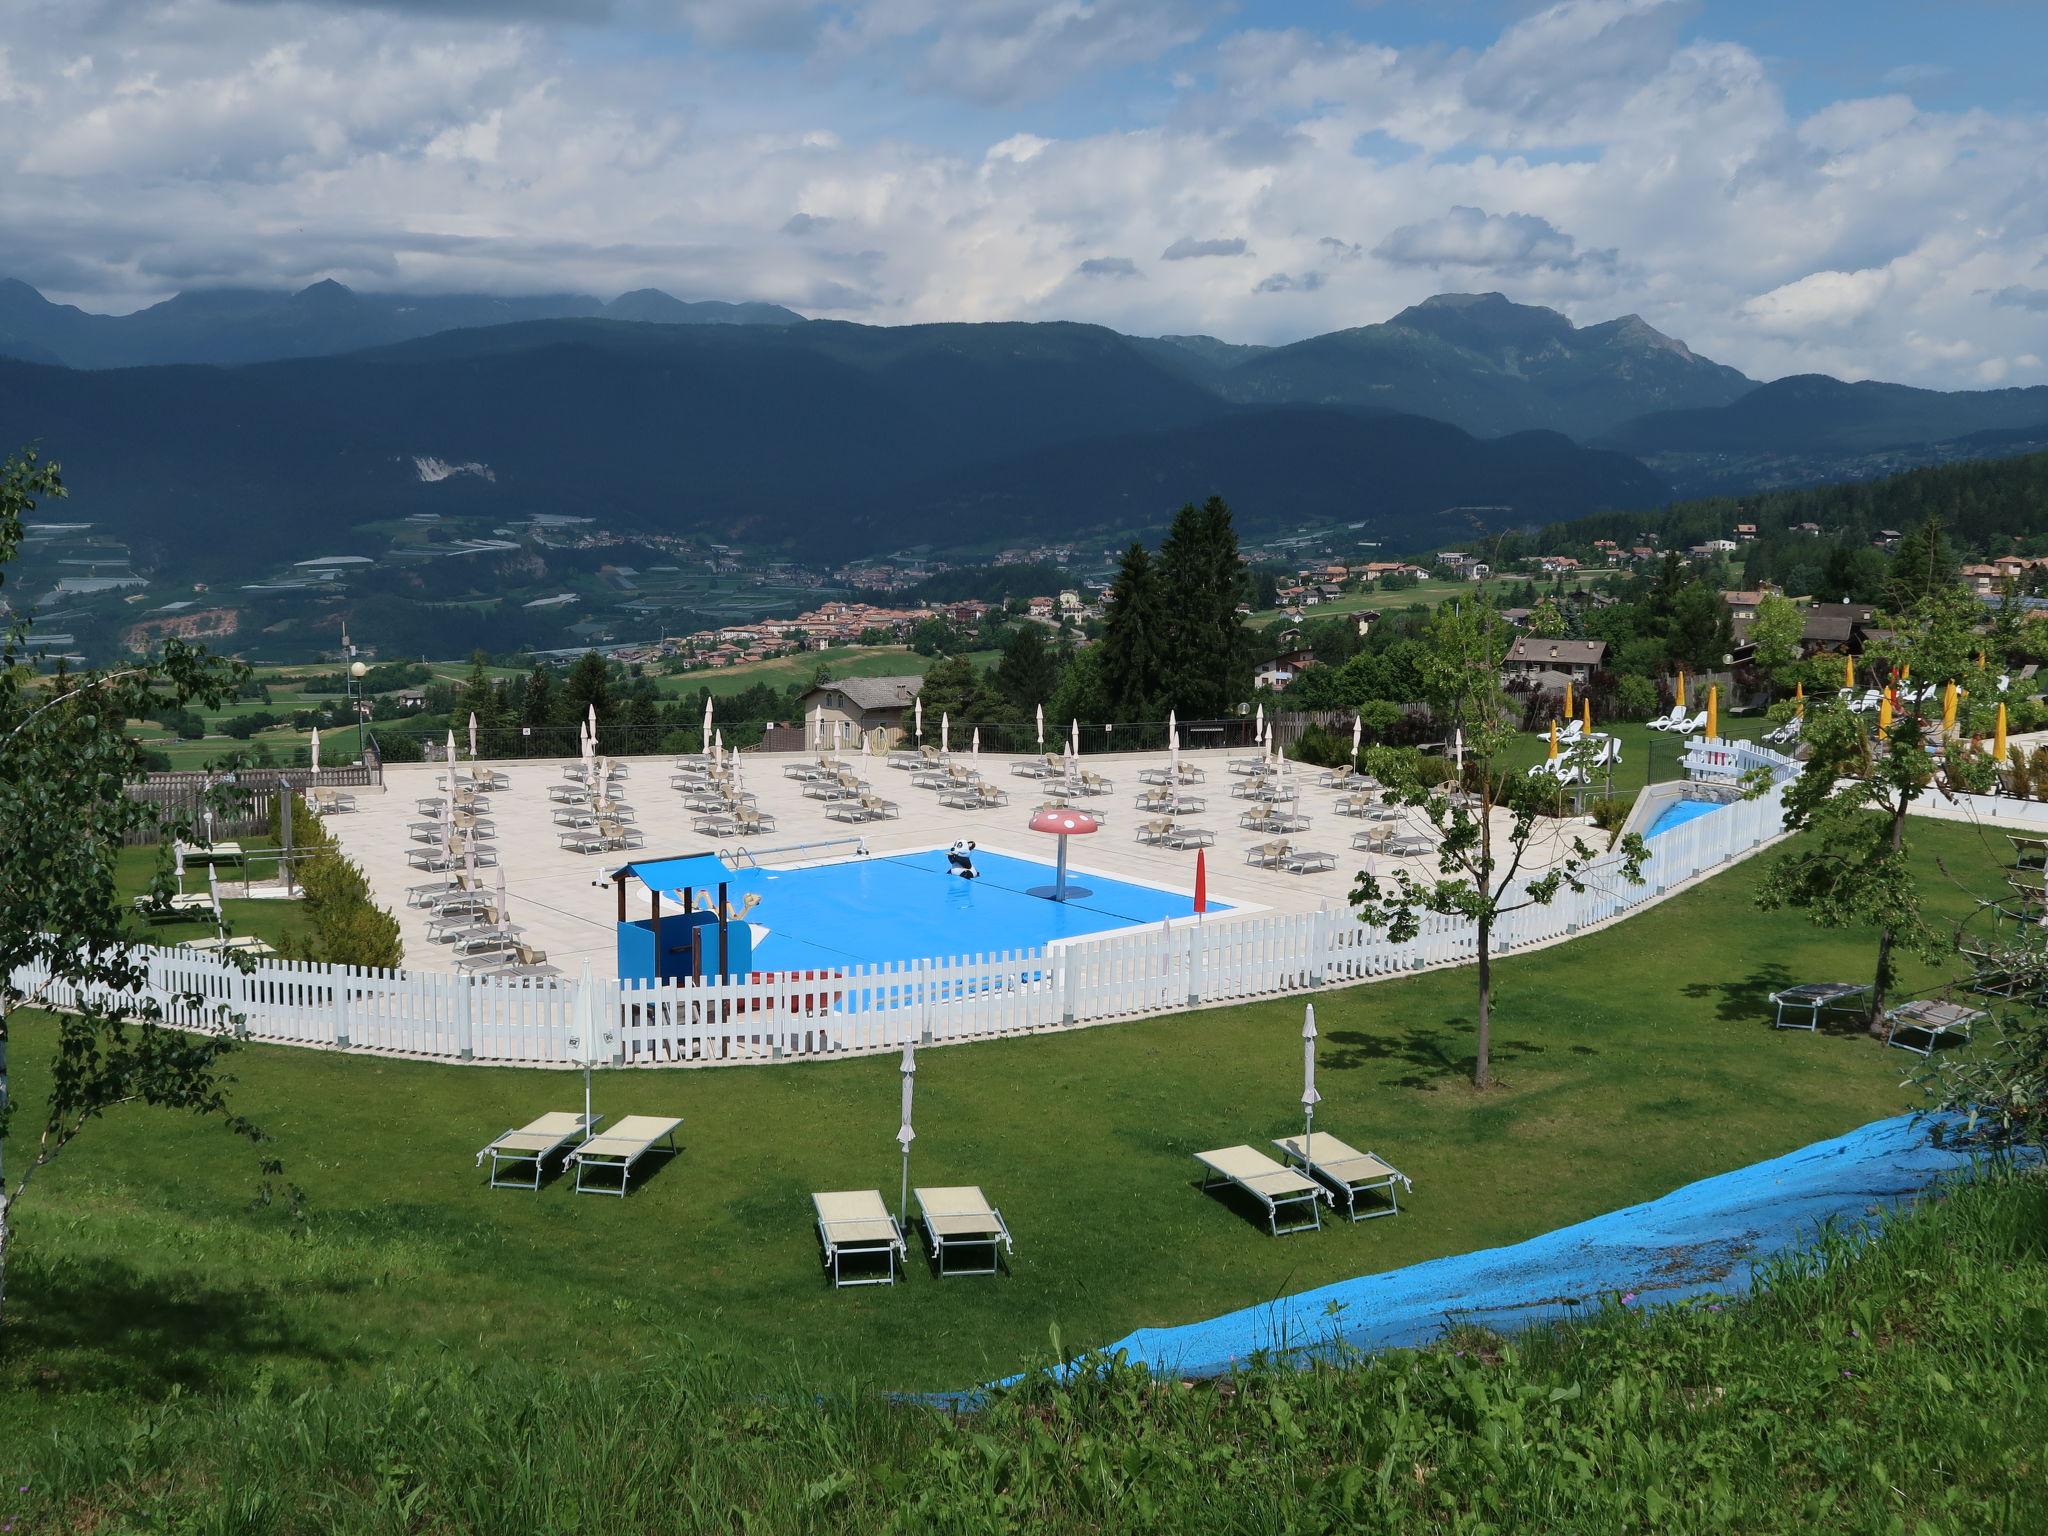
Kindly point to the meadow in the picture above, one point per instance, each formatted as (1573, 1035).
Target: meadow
(1630, 1061)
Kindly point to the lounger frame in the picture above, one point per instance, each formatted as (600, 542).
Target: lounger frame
(536, 1148)
(1327, 1169)
(623, 1159)
(973, 1229)
(880, 1235)
(1274, 1201)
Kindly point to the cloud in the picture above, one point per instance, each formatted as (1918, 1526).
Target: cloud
(1821, 301)
(1472, 237)
(1602, 157)
(1283, 282)
(1187, 248)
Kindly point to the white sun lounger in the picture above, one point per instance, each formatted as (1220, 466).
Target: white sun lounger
(1347, 1171)
(855, 1224)
(1273, 1185)
(532, 1144)
(621, 1147)
(958, 1216)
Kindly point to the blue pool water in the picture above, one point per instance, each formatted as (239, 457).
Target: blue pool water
(908, 907)
(1679, 812)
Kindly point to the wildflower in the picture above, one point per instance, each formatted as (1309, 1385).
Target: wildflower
(1627, 1297)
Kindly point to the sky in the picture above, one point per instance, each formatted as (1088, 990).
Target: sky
(1792, 186)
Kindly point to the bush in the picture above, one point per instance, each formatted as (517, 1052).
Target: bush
(1635, 698)
(348, 927)
(1611, 814)
(1324, 748)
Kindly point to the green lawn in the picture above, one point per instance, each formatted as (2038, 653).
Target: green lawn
(1631, 1061)
(271, 921)
(1424, 594)
(1647, 756)
(841, 661)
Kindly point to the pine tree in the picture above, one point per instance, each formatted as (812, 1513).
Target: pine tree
(1028, 673)
(536, 711)
(1129, 659)
(1208, 653)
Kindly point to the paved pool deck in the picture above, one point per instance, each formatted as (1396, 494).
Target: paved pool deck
(566, 903)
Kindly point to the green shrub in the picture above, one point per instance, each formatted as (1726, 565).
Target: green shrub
(1635, 698)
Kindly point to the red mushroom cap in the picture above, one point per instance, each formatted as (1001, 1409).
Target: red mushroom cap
(1064, 820)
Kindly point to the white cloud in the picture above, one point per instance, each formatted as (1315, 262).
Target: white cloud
(1601, 156)
(1820, 301)
(1494, 242)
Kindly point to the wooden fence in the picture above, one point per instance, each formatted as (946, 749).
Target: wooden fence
(867, 1008)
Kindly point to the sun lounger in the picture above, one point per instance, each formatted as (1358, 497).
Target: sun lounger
(173, 908)
(1816, 998)
(1406, 845)
(1346, 1172)
(960, 1217)
(620, 1148)
(1275, 1186)
(1307, 863)
(1339, 776)
(1269, 820)
(1266, 855)
(215, 853)
(240, 944)
(1182, 839)
(1932, 1020)
(855, 1224)
(1247, 764)
(568, 794)
(1154, 831)
(533, 1144)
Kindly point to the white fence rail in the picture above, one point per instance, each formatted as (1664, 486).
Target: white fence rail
(872, 1008)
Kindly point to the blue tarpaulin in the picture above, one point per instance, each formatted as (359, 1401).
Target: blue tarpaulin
(1705, 1238)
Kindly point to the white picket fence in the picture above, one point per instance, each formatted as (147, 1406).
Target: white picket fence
(789, 1015)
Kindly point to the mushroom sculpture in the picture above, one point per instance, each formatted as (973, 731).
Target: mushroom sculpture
(1063, 822)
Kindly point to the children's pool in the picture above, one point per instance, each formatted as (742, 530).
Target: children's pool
(909, 907)
(1679, 812)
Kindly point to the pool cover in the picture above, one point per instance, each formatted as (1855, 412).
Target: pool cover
(1704, 1238)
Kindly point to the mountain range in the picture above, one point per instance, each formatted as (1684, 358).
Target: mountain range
(822, 439)
(251, 325)
(227, 426)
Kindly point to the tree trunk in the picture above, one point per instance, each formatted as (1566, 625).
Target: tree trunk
(1482, 1066)
(1881, 983)
(6, 1228)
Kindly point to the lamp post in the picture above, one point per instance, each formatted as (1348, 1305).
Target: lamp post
(356, 673)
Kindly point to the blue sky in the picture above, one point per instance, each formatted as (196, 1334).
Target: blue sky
(1858, 189)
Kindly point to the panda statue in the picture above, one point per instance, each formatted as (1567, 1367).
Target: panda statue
(960, 859)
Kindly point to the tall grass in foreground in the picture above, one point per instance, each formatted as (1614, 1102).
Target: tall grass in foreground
(1892, 1386)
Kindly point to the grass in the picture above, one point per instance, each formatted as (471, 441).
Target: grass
(841, 661)
(269, 920)
(1850, 1395)
(1424, 594)
(1632, 1061)
(1647, 756)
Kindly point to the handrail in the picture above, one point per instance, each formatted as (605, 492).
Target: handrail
(750, 858)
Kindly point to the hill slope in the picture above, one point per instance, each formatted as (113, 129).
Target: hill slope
(824, 439)
(244, 325)
(1809, 428)
(1490, 366)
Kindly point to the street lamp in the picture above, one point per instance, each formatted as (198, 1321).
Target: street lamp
(356, 673)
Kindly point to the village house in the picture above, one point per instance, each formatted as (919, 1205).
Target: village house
(1838, 628)
(863, 704)
(1549, 663)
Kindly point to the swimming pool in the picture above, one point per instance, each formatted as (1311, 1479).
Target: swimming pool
(1679, 812)
(908, 907)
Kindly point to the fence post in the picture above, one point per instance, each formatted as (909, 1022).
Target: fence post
(1067, 986)
(465, 1028)
(340, 1013)
(924, 1002)
(1195, 963)
(1318, 943)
